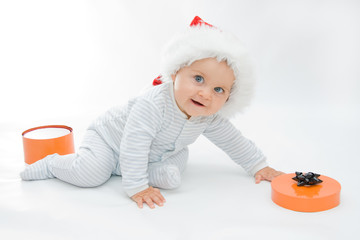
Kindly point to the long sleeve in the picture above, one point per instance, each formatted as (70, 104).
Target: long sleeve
(240, 149)
(141, 127)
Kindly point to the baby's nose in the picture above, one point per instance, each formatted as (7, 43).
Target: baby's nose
(205, 93)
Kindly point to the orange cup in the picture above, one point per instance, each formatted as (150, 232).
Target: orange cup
(36, 148)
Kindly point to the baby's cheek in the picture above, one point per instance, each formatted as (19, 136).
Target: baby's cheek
(222, 100)
(221, 104)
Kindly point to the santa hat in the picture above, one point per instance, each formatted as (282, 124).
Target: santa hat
(202, 40)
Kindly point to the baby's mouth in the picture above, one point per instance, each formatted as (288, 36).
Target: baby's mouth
(197, 103)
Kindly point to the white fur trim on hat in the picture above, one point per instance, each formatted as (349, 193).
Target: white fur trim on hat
(200, 42)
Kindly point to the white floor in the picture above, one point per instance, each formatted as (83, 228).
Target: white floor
(217, 200)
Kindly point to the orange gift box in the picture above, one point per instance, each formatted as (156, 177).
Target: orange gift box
(315, 198)
(38, 148)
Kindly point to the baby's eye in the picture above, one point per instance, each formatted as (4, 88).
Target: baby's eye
(219, 90)
(199, 79)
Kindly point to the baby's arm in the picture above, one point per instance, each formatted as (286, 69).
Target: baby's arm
(243, 151)
(267, 174)
(149, 196)
(143, 122)
(240, 149)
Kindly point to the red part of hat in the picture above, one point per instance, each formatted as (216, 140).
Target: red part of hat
(157, 81)
(197, 21)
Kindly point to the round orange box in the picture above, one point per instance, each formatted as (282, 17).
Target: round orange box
(315, 198)
(36, 149)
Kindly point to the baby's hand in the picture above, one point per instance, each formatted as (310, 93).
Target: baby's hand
(267, 173)
(149, 196)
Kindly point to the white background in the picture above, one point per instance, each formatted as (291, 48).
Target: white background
(66, 62)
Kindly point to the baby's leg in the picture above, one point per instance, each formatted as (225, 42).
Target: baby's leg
(90, 167)
(167, 174)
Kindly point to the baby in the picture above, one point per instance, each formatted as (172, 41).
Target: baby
(206, 78)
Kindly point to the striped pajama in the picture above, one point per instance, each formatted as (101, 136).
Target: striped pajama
(146, 143)
(95, 162)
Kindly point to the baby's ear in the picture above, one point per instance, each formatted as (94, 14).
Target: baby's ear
(173, 77)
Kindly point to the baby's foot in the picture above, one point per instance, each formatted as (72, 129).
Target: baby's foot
(37, 171)
(164, 176)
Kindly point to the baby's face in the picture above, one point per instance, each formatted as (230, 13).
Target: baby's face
(202, 88)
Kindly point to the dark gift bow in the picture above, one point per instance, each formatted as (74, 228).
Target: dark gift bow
(309, 178)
